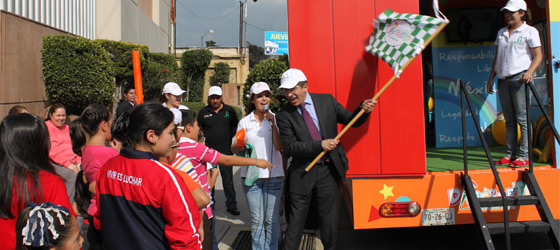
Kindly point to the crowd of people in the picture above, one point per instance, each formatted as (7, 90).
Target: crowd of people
(144, 177)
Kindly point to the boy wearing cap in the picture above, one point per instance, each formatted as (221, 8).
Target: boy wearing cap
(518, 54)
(307, 125)
(219, 121)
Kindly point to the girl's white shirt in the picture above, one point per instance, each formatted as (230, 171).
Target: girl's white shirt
(260, 136)
(514, 53)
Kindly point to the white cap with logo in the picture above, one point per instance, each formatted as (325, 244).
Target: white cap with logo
(259, 87)
(515, 5)
(291, 78)
(215, 90)
(172, 88)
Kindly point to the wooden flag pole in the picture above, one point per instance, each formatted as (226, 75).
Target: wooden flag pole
(428, 41)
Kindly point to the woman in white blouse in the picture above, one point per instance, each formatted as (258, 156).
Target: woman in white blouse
(263, 194)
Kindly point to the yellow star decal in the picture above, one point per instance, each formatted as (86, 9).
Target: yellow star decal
(386, 191)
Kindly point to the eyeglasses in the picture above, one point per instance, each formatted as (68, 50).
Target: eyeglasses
(288, 91)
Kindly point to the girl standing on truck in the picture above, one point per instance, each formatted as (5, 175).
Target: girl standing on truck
(518, 56)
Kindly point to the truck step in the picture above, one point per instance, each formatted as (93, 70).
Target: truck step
(519, 227)
(512, 201)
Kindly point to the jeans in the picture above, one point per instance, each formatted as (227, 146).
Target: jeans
(512, 99)
(263, 198)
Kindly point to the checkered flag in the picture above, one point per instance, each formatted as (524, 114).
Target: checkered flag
(397, 37)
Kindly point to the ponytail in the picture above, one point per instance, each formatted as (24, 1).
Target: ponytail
(77, 136)
(92, 116)
(118, 129)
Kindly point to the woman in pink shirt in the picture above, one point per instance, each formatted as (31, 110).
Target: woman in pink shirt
(61, 145)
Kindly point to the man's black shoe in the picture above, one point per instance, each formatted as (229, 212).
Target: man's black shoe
(233, 211)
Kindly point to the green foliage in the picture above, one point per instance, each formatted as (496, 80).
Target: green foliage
(256, 55)
(121, 54)
(269, 71)
(156, 76)
(210, 43)
(194, 106)
(162, 68)
(196, 91)
(77, 72)
(238, 112)
(193, 65)
(285, 58)
(221, 74)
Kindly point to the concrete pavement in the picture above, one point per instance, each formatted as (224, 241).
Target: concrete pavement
(229, 226)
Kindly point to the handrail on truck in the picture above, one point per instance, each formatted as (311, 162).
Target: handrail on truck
(464, 96)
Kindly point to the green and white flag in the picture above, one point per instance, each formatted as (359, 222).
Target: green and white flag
(397, 37)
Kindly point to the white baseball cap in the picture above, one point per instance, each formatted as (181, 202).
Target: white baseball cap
(291, 78)
(515, 5)
(215, 90)
(172, 88)
(259, 87)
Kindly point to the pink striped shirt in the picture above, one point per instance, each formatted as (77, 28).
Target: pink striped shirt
(199, 155)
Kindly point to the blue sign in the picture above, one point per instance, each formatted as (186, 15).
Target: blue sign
(275, 43)
(473, 66)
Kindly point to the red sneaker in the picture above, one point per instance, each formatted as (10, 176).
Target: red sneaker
(518, 163)
(503, 161)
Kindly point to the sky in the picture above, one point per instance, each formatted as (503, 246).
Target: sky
(195, 17)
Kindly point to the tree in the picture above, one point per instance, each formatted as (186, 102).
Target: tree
(256, 55)
(193, 66)
(221, 74)
(269, 71)
(210, 43)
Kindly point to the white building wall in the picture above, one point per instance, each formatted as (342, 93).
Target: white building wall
(119, 20)
(133, 24)
(77, 17)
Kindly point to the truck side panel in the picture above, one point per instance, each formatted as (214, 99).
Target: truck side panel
(327, 40)
(443, 190)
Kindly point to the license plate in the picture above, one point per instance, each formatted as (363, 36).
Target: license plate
(438, 216)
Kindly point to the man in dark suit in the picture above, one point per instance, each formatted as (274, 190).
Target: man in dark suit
(129, 101)
(307, 125)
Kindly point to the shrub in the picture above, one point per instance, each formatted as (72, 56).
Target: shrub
(269, 71)
(161, 69)
(221, 74)
(238, 112)
(77, 72)
(194, 106)
(193, 66)
(156, 76)
(121, 54)
(168, 60)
